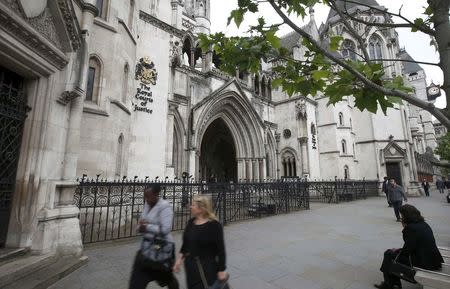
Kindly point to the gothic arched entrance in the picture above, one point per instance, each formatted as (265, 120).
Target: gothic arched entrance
(218, 153)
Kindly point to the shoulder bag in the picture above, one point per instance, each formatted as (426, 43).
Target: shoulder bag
(217, 284)
(403, 271)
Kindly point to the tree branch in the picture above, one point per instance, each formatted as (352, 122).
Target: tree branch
(406, 60)
(438, 113)
(423, 28)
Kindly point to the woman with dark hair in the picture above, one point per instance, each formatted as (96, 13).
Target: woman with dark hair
(419, 250)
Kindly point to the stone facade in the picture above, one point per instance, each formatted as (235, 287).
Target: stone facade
(119, 88)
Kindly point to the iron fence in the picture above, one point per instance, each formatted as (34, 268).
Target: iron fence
(111, 210)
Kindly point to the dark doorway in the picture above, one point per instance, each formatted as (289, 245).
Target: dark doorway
(393, 172)
(218, 154)
(12, 117)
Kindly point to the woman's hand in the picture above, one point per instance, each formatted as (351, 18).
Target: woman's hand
(222, 275)
(177, 266)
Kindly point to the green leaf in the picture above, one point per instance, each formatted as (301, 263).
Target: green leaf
(237, 15)
(428, 11)
(319, 74)
(417, 23)
(335, 42)
(273, 39)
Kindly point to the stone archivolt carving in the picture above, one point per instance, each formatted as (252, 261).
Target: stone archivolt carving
(176, 52)
(300, 109)
(45, 25)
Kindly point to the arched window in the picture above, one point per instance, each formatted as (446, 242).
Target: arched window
(344, 147)
(263, 87)
(119, 156)
(187, 55)
(256, 84)
(375, 47)
(93, 81)
(131, 14)
(126, 72)
(341, 119)
(289, 164)
(102, 6)
(349, 50)
(346, 172)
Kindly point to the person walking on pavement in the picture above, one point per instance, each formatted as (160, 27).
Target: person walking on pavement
(426, 187)
(156, 220)
(396, 196)
(203, 248)
(440, 186)
(384, 189)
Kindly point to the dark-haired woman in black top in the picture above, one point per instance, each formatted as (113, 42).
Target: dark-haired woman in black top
(203, 245)
(420, 246)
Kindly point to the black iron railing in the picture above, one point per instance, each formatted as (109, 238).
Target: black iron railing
(111, 210)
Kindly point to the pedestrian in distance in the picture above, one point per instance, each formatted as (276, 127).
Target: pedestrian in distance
(203, 248)
(440, 186)
(396, 196)
(419, 250)
(155, 224)
(426, 187)
(384, 188)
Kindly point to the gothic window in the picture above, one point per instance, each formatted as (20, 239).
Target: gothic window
(289, 164)
(341, 119)
(126, 72)
(256, 84)
(346, 172)
(102, 6)
(187, 56)
(375, 47)
(131, 14)
(119, 156)
(348, 50)
(93, 81)
(263, 87)
(216, 60)
(344, 147)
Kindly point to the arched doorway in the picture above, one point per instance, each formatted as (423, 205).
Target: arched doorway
(218, 153)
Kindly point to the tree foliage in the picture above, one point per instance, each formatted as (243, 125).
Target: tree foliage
(443, 149)
(322, 70)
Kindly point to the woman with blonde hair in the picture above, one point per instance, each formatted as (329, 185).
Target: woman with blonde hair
(203, 249)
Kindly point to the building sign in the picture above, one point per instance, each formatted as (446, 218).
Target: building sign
(147, 75)
(313, 136)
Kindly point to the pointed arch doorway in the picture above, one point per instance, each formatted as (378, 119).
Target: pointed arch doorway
(218, 153)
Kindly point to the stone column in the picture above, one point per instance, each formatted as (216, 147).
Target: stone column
(262, 169)
(250, 170)
(192, 57)
(177, 13)
(304, 155)
(255, 169)
(240, 169)
(169, 144)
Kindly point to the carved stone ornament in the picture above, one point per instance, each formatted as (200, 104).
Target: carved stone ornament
(287, 133)
(160, 24)
(300, 109)
(176, 52)
(146, 71)
(67, 96)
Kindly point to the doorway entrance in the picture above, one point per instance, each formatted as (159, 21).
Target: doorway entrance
(218, 153)
(12, 118)
(393, 171)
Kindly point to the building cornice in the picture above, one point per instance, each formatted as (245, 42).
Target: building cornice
(160, 24)
(295, 98)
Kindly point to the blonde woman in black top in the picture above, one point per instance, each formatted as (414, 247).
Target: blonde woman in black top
(202, 241)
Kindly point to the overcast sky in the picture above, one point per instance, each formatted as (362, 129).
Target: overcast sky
(417, 44)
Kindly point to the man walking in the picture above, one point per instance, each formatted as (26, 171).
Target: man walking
(426, 187)
(384, 189)
(396, 196)
(440, 186)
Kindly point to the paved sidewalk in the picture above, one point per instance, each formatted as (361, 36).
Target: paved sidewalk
(329, 247)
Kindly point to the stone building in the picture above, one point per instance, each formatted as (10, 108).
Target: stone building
(120, 88)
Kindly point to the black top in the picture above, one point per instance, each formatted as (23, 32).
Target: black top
(421, 246)
(205, 240)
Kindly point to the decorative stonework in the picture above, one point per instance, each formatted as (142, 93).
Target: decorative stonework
(45, 25)
(68, 96)
(146, 71)
(13, 5)
(160, 24)
(300, 109)
(70, 21)
(187, 24)
(176, 52)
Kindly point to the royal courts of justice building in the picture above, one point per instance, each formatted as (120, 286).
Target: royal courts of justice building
(120, 88)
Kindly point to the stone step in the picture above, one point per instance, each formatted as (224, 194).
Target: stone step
(47, 276)
(432, 280)
(8, 254)
(446, 268)
(22, 266)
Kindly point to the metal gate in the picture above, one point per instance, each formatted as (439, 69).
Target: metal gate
(12, 116)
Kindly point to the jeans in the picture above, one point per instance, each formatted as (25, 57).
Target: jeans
(397, 205)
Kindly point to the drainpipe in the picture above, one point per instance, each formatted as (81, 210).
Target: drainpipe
(76, 96)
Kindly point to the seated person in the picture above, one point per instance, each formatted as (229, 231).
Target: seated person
(420, 247)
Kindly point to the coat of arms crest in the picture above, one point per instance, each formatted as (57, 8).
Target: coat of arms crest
(146, 71)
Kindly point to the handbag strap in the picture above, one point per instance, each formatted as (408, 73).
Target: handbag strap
(409, 257)
(203, 277)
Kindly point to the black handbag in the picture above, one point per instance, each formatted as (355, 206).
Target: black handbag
(403, 271)
(157, 254)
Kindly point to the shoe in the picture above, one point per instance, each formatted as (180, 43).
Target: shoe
(399, 220)
(382, 285)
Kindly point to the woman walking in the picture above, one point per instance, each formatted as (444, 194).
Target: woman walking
(155, 222)
(203, 249)
(419, 250)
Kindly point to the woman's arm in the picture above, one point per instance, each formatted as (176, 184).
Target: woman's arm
(220, 246)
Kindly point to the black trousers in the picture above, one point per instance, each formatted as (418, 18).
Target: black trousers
(397, 205)
(427, 192)
(140, 277)
(441, 190)
(389, 256)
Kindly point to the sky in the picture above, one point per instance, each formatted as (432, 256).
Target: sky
(416, 44)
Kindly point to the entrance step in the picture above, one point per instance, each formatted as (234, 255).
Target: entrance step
(7, 254)
(50, 274)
